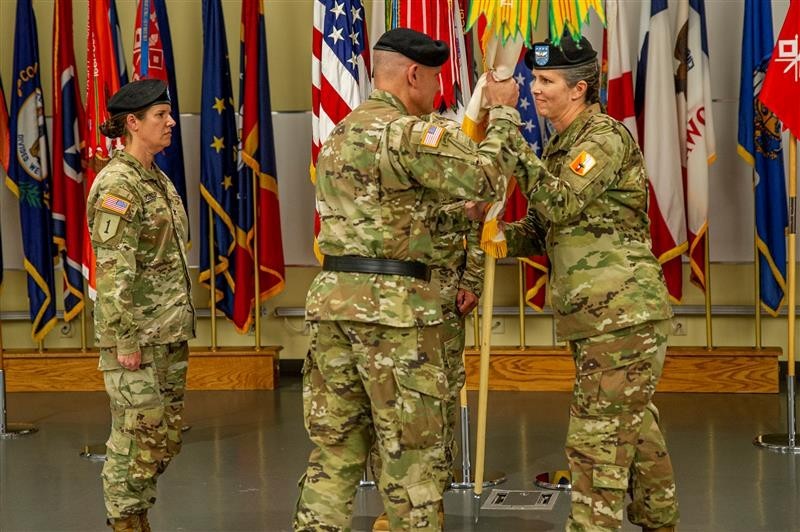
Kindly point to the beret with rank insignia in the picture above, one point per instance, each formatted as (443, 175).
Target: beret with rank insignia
(417, 46)
(567, 54)
(138, 95)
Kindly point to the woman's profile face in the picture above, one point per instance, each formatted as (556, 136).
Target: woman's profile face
(550, 92)
(155, 128)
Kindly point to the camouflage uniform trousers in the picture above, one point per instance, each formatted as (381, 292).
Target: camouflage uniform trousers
(613, 434)
(146, 423)
(365, 383)
(453, 342)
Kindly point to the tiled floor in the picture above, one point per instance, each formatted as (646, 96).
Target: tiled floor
(246, 450)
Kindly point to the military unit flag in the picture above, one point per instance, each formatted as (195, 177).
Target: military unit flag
(620, 102)
(782, 81)
(102, 81)
(5, 146)
(153, 59)
(69, 206)
(759, 139)
(218, 173)
(258, 220)
(29, 172)
(656, 118)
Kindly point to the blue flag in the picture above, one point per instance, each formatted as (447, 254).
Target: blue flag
(527, 108)
(760, 146)
(116, 37)
(218, 172)
(29, 175)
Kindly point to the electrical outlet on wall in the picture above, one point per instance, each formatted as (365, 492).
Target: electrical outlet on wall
(679, 327)
(498, 326)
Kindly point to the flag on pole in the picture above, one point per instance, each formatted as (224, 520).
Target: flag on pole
(441, 20)
(29, 172)
(261, 228)
(152, 41)
(657, 124)
(617, 62)
(760, 146)
(69, 206)
(218, 141)
(537, 267)
(116, 39)
(5, 146)
(696, 128)
(340, 70)
(102, 81)
(782, 80)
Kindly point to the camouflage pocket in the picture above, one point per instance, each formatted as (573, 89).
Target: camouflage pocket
(132, 389)
(608, 476)
(422, 391)
(119, 443)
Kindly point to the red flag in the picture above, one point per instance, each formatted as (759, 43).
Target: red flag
(258, 234)
(102, 81)
(782, 82)
(69, 206)
(617, 61)
(537, 267)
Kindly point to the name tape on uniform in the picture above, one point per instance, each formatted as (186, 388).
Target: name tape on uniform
(432, 136)
(582, 163)
(114, 204)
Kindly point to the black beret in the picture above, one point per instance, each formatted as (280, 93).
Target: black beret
(138, 95)
(567, 54)
(417, 46)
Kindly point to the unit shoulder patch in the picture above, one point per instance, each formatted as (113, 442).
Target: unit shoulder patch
(583, 163)
(432, 136)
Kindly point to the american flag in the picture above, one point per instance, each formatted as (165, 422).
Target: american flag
(340, 69)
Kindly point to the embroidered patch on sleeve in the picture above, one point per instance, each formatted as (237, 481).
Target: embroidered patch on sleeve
(582, 164)
(114, 204)
(432, 136)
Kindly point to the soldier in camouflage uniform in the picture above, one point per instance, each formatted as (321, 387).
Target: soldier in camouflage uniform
(375, 369)
(143, 312)
(607, 290)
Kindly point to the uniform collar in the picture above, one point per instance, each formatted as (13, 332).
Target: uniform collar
(134, 162)
(569, 135)
(388, 97)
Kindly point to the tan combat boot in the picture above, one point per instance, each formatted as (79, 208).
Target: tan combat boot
(130, 523)
(381, 523)
(145, 522)
(659, 529)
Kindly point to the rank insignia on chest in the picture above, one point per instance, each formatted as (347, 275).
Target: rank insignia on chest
(582, 163)
(114, 204)
(150, 196)
(432, 136)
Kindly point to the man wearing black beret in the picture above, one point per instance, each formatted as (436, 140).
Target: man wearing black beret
(374, 373)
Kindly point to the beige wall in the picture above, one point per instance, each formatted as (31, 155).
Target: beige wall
(732, 285)
(288, 34)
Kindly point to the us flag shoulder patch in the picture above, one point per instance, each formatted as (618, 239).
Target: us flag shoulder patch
(114, 204)
(432, 136)
(582, 163)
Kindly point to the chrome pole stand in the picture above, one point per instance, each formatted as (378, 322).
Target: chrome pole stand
(782, 443)
(465, 480)
(14, 430)
(365, 482)
(558, 480)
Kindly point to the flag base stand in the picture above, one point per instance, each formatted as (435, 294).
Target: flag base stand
(94, 453)
(365, 481)
(558, 480)
(782, 443)
(464, 479)
(10, 431)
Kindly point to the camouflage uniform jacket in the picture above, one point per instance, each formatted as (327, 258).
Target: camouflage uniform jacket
(457, 259)
(380, 177)
(139, 230)
(590, 188)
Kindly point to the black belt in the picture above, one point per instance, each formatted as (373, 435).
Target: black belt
(352, 264)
